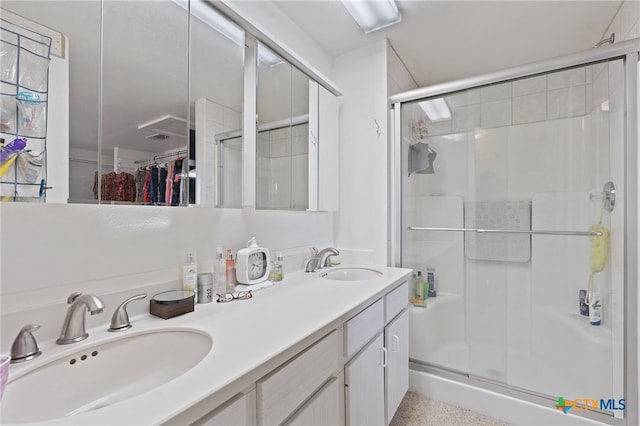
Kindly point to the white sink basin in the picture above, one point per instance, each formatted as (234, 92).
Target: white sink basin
(351, 274)
(101, 375)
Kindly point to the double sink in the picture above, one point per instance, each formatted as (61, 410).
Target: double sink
(113, 370)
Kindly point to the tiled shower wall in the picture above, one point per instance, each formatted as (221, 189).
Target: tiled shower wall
(283, 168)
(559, 95)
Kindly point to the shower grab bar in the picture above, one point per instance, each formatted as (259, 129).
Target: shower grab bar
(510, 231)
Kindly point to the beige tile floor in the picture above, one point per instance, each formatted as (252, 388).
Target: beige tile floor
(417, 410)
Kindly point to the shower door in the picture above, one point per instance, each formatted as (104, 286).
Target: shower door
(506, 199)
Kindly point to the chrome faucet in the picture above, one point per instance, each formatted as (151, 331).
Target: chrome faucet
(73, 328)
(329, 252)
(316, 262)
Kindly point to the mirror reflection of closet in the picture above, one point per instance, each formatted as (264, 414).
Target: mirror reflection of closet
(282, 164)
(136, 105)
(145, 121)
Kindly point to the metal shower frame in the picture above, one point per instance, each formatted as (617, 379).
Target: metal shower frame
(629, 52)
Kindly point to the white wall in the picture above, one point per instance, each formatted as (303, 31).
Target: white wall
(361, 223)
(368, 76)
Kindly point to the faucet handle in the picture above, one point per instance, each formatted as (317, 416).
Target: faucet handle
(24, 346)
(120, 320)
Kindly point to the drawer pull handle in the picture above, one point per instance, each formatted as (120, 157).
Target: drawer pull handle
(384, 357)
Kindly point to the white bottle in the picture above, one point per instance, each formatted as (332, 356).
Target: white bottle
(219, 273)
(190, 276)
(595, 309)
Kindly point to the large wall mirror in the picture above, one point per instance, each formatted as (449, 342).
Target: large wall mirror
(282, 161)
(147, 83)
(135, 72)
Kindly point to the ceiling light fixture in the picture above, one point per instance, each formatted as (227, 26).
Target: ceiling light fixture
(214, 19)
(373, 15)
(436, 109)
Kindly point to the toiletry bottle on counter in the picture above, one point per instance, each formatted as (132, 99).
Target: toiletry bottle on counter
(219, 272)
(595, 309)
(230, 272)
(277, 273)
(190, 276)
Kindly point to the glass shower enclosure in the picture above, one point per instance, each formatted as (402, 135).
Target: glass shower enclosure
(518, 193)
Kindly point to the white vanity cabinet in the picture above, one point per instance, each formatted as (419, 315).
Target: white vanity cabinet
(326, 407)
(281, 393)
(238, 411)
(353, 372)
(396, 336)
(376, 376)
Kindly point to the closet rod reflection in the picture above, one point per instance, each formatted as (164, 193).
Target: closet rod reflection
(510, 231)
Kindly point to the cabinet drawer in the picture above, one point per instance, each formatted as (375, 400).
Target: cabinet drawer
(361, 328)
(283, 391)
(238, 411)
(396, 301)
(325, 408)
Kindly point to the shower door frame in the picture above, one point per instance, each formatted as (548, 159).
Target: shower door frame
(629, 52)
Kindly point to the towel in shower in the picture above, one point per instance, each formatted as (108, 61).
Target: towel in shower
(421, 158)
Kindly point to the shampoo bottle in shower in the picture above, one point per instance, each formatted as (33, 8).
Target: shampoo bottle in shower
(595, 309)
(419, 286)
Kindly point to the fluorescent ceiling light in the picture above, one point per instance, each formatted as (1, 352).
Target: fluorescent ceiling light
(436, 109)
(214, 19)
(267, 56)
(373, 15)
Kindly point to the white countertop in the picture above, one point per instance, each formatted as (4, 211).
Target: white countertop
(250, 338)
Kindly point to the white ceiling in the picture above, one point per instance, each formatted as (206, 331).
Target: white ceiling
(440, 41)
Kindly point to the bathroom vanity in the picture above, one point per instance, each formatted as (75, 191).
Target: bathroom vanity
(308, 350)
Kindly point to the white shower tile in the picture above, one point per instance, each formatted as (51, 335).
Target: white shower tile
(466, 118)
(529, 86)
(495, 92)
(438, 128)
(473, 96)
(568, 102)
(529, 108)
(299, 145)
(496, 113)
(564, 79)
(457, 100)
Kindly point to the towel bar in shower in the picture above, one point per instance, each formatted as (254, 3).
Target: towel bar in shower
(510, 231)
